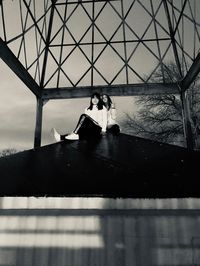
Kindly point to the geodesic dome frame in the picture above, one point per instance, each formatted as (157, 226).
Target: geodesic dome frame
(68, 48)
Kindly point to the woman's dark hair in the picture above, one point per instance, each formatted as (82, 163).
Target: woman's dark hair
(109, 103)
(99, 104)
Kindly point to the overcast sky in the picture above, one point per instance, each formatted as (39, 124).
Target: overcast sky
(18, 104)
(18, 111)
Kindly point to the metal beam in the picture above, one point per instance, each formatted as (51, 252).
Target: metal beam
(172, 36)
(47, 44)
(15, 65)
(38, 124)
(191, 74)
(187, 121)
(112, 90)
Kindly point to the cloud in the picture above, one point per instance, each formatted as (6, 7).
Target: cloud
(18, 113)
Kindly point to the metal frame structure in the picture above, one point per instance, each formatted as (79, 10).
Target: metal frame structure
(70, 48)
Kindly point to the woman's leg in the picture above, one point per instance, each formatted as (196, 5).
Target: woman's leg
(114, 129)
(59, 137)
(55, 134)
(87, 128)
(80, 122)
(74, 135)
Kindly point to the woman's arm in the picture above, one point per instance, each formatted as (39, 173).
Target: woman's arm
(104, 119)
(113, 112)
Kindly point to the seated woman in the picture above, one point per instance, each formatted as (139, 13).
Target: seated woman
(91, 124)
(112, 125)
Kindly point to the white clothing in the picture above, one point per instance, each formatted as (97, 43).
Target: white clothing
(99, 116)
(111, 116)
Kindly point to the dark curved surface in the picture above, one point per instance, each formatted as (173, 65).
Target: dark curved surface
(112, 166)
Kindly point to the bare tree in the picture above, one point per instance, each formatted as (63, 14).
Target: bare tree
(159, 117)
(8, 151)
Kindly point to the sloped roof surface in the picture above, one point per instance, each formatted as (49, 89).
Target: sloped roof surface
(116, 166)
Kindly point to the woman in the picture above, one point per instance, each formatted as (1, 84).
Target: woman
(91, 124)
(112, 125)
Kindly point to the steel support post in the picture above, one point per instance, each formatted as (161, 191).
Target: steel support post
(187, 120)
(38, 124)
(39, 111)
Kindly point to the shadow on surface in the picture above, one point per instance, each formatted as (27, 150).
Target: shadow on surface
(100, 237)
